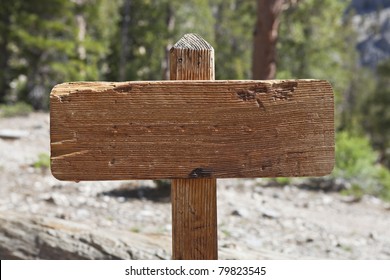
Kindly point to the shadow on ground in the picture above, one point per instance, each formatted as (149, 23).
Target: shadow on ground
(160, 193)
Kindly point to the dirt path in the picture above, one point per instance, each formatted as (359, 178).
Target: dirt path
(290, 222)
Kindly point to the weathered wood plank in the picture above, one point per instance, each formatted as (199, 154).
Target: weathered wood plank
(191, 129)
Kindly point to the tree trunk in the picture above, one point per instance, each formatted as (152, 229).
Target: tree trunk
(170, 22)
(81, 30)
(81, 34)
(4, 52)
(124, 47)
(265, 38)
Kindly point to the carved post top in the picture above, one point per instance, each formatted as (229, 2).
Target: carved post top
(192, 41)
(192, 58)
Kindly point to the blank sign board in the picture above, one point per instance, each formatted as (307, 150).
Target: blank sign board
(191, 129)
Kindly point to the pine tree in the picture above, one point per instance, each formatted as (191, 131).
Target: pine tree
(8, 9)
(46, 42)
(233, 29)
(140, 49)
(317, 41)
(377, 115)
(265, 38)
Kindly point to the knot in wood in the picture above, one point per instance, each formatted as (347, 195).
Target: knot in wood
(200, 173)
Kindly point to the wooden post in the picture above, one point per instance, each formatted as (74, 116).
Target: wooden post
(194, 201)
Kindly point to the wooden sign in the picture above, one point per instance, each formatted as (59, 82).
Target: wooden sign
(191, 129)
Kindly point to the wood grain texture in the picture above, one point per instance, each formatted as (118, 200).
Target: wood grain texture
(194, 201)
(191, 129)
(194, 219)
(192, 58)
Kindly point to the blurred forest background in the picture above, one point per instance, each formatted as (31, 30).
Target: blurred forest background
(45, 42)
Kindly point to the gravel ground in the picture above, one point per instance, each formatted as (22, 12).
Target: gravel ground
(288, 221)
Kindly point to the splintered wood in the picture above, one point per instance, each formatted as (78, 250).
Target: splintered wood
(191, 129)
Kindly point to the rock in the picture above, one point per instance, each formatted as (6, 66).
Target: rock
(12, 134)
(309, 240)
(235, 213)
(327, 200)
(240, 213)
(82, 213)
(374, 200)
(58, 199)
(325, 184)
(350, 199)
(269, 213)
(37, 126)
(38, 237)
(305, 205)
(47, 198)
(304, 239)
(386, 249)
(258, 190)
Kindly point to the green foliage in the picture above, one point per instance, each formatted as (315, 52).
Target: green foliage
(43, 161)
(52, 41)
(354, 190)
(283, 180)
(384, 177)
(313, 31)
(354, 157)
(135, 229)
(13, 110)
(140, 48)
(377, 114)
(194, 16)
(316, 40)
(7, 9)
(233, 29)
(356, 162)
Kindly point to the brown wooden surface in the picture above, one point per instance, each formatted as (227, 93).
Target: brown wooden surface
(194, 219)
(192, 58)
(191, 129)
(194, 201)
